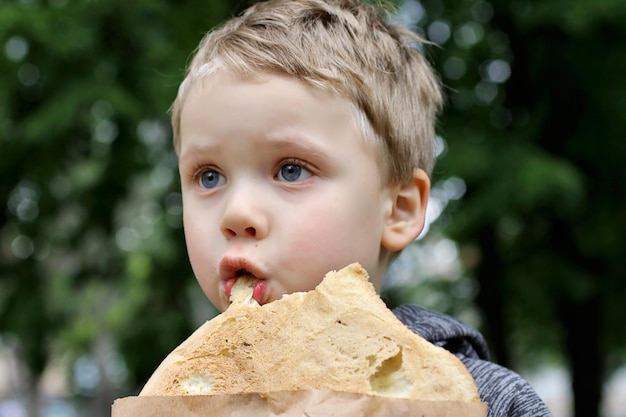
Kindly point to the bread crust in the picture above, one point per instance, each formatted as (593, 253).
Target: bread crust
(340, 336)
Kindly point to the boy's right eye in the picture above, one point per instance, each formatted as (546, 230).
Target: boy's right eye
(210, 179)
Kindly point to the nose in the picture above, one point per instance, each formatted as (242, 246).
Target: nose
(244, 216)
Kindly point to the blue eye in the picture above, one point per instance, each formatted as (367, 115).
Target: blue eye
(211, 179)
(293, 172)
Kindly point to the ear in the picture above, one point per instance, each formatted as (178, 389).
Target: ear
(407, 214)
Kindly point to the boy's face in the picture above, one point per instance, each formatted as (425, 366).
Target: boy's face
(277, 182)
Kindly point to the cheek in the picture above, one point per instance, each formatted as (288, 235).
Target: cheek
(203, 264)
(194, 252)
(196, 257)
(192, 238)
(337, 235)
(199, 251)
(314, 236)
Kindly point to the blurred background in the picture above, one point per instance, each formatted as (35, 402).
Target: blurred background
(527, 219)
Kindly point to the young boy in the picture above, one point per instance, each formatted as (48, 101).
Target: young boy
(305, 136)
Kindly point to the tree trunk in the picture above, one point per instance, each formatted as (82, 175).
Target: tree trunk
(582, 324)
(105, 395)
(490, 297)
(24, 383)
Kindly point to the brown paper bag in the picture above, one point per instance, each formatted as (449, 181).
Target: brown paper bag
(291, 404)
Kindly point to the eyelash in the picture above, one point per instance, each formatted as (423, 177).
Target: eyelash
(200, 168)
(294, 161)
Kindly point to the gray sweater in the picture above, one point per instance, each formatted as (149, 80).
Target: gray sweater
(507, 393)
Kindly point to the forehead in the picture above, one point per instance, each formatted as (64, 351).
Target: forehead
(231, 107)
(270, 95)
(276, 95)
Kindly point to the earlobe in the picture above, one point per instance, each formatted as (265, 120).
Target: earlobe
(405, 220)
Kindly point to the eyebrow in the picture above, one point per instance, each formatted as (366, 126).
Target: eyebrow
(286, 143)
(298, 145)
(193, 151)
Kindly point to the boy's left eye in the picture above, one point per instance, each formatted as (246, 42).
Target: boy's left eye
(210, 179)
(292, 172)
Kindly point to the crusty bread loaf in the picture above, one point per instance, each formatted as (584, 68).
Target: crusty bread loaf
(340, 336)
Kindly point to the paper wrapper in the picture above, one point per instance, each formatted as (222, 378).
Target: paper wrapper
(292, 404)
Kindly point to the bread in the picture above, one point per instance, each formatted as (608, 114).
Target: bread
(340, 336)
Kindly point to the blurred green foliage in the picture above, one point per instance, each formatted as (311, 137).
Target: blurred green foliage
(91, 242)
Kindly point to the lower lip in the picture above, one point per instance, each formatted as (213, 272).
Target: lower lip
(259, 291)
(228, 286)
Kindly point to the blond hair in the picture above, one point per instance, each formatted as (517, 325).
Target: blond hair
(346, 47)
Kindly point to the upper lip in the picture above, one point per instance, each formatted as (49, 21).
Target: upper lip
(232, 267)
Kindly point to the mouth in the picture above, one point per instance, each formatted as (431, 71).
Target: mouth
(258, 286)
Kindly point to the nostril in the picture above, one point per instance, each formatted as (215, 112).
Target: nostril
(229, 232)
